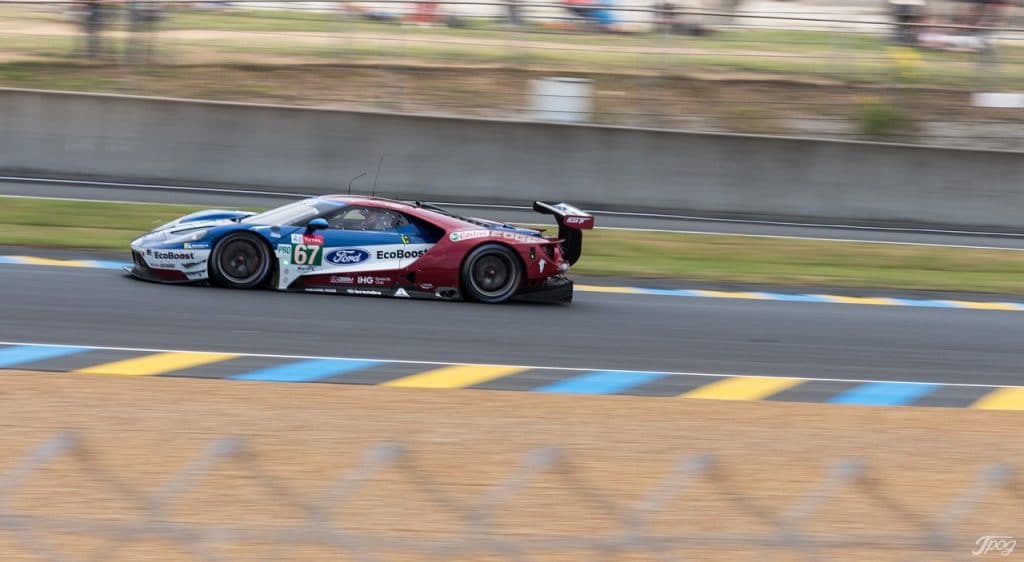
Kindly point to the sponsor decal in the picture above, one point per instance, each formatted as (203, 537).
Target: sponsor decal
(399, 254)
(363, 292)
(426, 286)
(468, 235)
(320, 290)
(196, 246)
(308, 239)
(348, 256)
(304, 254)
(542, 263)
(149, 252)
(472, 234)
(172, 255)
(401, 293)
(342, 279)
(575, 220)
(369, 280)
(516, 236)
(284, 253)
(405, 239)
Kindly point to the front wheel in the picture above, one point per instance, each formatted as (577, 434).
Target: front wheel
(491, 274)
(240, 261)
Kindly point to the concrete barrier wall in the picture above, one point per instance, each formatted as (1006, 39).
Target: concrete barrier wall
(308, 150)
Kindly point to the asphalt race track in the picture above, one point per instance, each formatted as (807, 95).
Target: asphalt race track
(597, 331)
(80, 306)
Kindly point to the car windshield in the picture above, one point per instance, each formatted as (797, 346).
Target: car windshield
(293, 214)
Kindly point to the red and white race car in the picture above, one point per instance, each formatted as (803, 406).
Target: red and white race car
(367, 246)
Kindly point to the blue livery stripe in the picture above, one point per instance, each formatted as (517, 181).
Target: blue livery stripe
(304, 371)
(10, 356)
(8, 259)
(600, 382)
(884, 393)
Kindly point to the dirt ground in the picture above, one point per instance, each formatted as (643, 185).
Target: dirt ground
(306, 437)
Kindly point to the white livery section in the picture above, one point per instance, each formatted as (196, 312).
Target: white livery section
(191, 262)
(297, 260)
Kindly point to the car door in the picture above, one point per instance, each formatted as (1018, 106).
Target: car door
(356, 254)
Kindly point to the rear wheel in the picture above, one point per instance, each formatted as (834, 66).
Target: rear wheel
(491, 274)
(240, 261)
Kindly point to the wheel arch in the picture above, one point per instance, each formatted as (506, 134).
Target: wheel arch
(519, 257)
(273, 261)
(501, 243)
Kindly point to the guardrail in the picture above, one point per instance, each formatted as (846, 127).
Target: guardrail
(135, 516)
(726, 66)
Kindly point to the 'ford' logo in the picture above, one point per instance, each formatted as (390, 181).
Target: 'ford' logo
(347, 257)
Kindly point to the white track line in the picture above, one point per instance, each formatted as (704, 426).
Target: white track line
(531, 367)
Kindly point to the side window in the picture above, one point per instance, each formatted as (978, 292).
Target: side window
(366, 218)
(421, 229)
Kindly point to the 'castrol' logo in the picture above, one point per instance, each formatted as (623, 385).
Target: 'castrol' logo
(347, 257)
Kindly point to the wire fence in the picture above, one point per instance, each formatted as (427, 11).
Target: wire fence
(900, 71)
(474, 534)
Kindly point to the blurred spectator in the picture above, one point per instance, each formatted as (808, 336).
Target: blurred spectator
(907, 14)
(668, 20)
(514, 17)
(425, 13)
(93, 20)
(944, 38)
(664, 16)
(580, 8)
(373, 14)
(142, 18)
(966, 31)
(594, 13)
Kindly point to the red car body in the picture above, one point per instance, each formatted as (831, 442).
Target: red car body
(409, 249)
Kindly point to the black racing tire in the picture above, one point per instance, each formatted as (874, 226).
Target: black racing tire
(240, 261)
(491, 274)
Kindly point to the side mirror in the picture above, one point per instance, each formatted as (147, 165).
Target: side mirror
(316, 224)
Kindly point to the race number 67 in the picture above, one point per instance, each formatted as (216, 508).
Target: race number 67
(307, 255)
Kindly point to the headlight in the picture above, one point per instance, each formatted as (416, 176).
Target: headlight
(188, 237)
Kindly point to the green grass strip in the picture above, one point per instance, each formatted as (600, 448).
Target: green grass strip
(616, 253)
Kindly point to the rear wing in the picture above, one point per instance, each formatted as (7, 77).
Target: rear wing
(571, 221)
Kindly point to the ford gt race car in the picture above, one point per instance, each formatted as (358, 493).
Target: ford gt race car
(367, 246)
